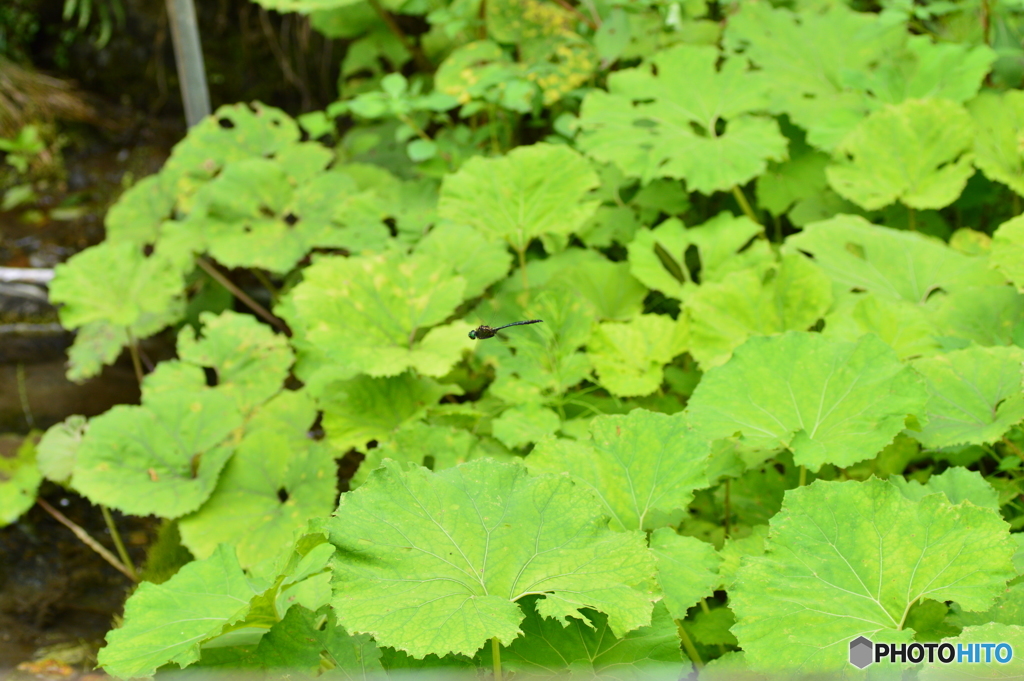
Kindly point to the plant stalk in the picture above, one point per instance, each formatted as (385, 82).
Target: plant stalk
(265, 282)
(241, 295)
(118, 544)
(496, 658)
(728, 511)
(803, 475)
(133, 350)
(688, 646)
(744, 204)
(87, 540)
(422, 63)
(26, 408)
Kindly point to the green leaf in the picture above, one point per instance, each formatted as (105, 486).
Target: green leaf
(630, 357)
(168, 622)
(850, 559)
(791, 297)
(525, 424)
(904, 326)
(249, 361)
(957, 483)
(19, 476)
(609, 286)
(115, 283)
(1008, 609)
(162, 457)
(724, 244)
(366, 408)
(480, 261)
(897, 264)
(96, 345)
(480, 70)
(676, 134)
(136, 215)
(58, 448)
(986, 315)
(586, 648)
(999, 119)
(277, 479)
(303, 639)
(991, 632)
(1008, 249)
(827, 401)
(711, 628)
(927, 69)
(734, 551)
(687, 569)
(799, 178)
(436, 447)
(975, 395)
(641, 466)
(365, 314)
(917, 152)
(530, 192)
(468, 542)
(809, 58)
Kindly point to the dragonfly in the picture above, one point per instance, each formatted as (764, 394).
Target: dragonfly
(483, 331)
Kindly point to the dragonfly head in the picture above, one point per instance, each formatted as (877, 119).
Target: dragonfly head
(472, 334)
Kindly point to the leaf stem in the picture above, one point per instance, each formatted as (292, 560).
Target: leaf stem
(728, 510)
(579, 15)
(691, 650)
(422, 63)
(265, 282)
(744, 204)
(87, 540)
(911, 219)
(133, 350)
(803, 475)
(522, 267)
(26, 408)
(496, 657)
(241, 295)
(116, 536)
(1014, 448)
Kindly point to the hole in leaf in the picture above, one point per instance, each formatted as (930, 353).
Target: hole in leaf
(747, 245)
(858, 289)
(282, 495)
(290, 219)
(372, 444)
(654, 69)
(998, 404)
(691, 258)
(428, 461)
(933, 291)
(856, 249)
(818, 326)
(805, 253)
(225, 123)
(669, 263)
(644, 123)
(392, 226)
(147, 250)
(211, 376)
(266, 212)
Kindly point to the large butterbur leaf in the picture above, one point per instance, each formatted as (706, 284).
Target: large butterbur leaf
(277, 479)
(163, 457)
(999, 120)
(792, 296)
(827, 401)
(629, 357)
(167, 622)
(19, 477)
(531, 192)
(661, 120)
(460, 547)
(851, 559)
(910, 266)
(641, 466)
(975, 395)
(917, 152)
(586, 648)
(374, 314)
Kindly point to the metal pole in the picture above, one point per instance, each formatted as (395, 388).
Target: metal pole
(188, 55)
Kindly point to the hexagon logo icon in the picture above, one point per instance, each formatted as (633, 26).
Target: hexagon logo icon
(861, 652)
